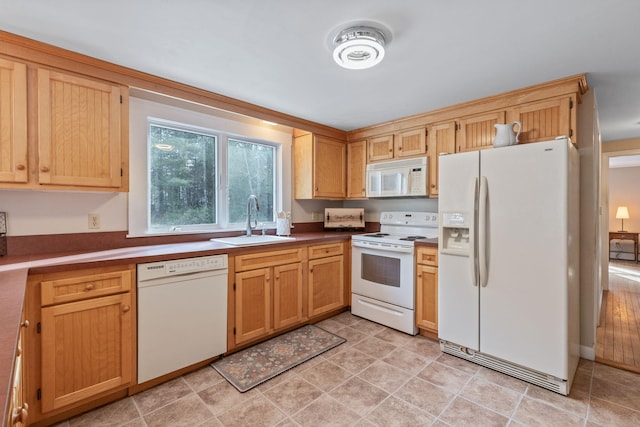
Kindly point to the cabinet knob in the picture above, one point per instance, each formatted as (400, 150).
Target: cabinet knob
(20, 167)
(89, 287)
(25, 324)
(20, 415)
(44, 169)
(433, 186)
(126, 308)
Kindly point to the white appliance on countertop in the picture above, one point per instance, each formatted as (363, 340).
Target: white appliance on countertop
(397, 178)
(383, 269)
(508, 285)
(182, 313)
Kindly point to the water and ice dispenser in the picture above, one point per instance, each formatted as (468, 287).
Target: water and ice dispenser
(456, 232)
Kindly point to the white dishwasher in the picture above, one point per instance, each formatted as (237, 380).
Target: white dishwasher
(182, 313)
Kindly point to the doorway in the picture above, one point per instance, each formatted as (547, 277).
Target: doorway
(618, 331)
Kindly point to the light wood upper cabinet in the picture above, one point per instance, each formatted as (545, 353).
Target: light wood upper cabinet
(442, 139)
(411, 143)
(79, 131)
(356, 169)
(13, 121)
(319, 167)
(380, 148)
(545, 120)
(478, 132)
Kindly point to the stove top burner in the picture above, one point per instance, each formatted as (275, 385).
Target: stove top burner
(412, 238)
(378, 235)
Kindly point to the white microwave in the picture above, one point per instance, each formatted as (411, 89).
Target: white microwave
(397, 178)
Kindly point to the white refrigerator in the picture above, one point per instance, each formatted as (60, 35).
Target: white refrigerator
(508, 284)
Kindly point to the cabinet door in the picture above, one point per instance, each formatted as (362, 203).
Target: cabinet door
(253, 304)
(86, 349)
(287, 295)
(356, 169)
(380, 148)
(13, 121)
(411, 143)
(329, 168)
(544, 120)
(326, 284)
(478, 132)
(79, 131)
(442, 139)
(427, 297)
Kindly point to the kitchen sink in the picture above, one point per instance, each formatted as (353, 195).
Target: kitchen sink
(253, 240)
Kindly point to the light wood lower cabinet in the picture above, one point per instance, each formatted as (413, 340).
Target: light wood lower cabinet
(84, 338)
(18, 408)
(427, 289)
(326, 278)
(267, 293)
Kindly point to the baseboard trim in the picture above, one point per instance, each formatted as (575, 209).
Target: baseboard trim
(588, 353)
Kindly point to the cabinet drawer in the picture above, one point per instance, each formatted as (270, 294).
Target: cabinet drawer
(87, 286)
(268, 259)
(321, 251)
(427, 256)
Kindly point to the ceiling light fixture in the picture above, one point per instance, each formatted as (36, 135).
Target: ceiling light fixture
(359, 47)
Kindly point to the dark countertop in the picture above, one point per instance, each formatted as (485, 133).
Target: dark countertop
(14, 271)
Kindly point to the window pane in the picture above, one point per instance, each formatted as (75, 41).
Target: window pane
(182, 177)
(251, 170)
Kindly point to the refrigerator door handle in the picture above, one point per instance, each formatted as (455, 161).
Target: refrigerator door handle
(473, 256)
(482, 231)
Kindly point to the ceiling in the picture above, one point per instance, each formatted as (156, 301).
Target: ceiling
(276, 54)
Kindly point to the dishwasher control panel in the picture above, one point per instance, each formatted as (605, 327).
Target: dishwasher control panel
(155, 270)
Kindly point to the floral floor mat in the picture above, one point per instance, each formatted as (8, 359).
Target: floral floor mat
(261, 362)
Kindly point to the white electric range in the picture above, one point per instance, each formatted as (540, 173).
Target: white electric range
(383, 269)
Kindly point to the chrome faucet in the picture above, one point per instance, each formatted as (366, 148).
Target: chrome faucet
(249, 227)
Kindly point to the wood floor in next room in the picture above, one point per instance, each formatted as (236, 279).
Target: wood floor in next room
(618, 335)
(379, 377)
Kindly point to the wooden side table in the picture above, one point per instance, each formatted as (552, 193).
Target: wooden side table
(625, 236)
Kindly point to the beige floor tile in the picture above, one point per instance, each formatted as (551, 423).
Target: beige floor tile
(576, 403)
(352, 335)
(605, 413)
(211, 422)
(187, 411)
(535, 412)
(293, 394)
(375, 347)
(326, 375)
(503, 380)
(424, 347)
(159, 396)
(368, 327)
(138, 422)
(362, 396)
(406, 360)
(330, 325)
(346, 318)
(445, 376)
(223, 396)
(618, 376)
(464, 413)
(385, 376)
(615, 392)
(394, 337)
(257, 412)
(492, 396)
(425, 396)
(352, 360)
(116, 413)
(279, 379)
(396, 412)
(203, 378)
(326, 411)
(582, 381)
(458, 363)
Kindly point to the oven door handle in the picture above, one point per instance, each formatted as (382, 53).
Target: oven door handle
(382, 247)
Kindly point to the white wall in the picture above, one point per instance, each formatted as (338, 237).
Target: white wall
(623, 191)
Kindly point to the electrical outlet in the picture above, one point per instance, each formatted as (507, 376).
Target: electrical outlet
(94, 221)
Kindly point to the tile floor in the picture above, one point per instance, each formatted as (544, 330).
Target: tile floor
(379, 377)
